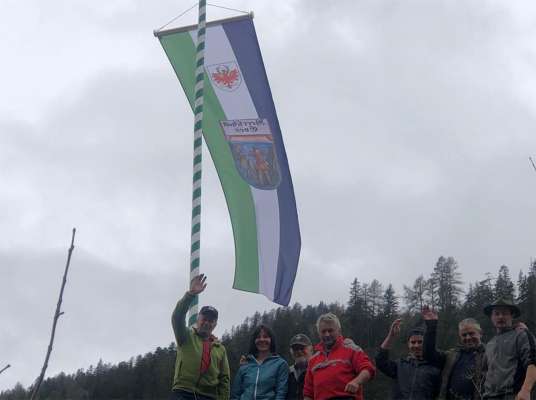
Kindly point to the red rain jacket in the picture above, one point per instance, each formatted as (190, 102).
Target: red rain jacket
(327, 375)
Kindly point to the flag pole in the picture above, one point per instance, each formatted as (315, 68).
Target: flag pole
(198, 147)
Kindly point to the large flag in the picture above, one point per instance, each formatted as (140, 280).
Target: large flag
(242, 133)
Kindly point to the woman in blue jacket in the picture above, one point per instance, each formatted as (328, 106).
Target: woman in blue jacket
(264, 376)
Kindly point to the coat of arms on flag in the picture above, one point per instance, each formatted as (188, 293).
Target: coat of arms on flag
(225, 76)
(252, 146)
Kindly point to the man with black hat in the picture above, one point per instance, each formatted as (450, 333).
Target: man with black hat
(414, 377)
(201, 368)
(301, 350)
(510, 358)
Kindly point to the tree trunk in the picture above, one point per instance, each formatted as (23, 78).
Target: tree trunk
(57, 315)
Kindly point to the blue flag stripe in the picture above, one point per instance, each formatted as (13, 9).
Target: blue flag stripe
(243, 39)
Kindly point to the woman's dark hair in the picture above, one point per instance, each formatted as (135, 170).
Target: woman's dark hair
(253, 347)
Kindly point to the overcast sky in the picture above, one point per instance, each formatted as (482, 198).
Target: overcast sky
(408, 127)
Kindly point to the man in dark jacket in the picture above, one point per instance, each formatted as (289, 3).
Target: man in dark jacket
(461, 367)
(414, 378)
(301, 350)
(510, 358)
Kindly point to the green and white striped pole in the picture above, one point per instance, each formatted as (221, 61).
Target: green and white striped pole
(198, 157)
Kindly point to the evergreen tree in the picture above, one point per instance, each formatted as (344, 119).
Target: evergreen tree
(414, 296)
(357, 315)
(447, 279)
(390, 304)
(527, 296)
(355, 289)
(432, 293)
(504, 287)
(478, 296)
(376, 298)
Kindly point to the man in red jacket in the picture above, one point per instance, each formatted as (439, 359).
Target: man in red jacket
(339, 368)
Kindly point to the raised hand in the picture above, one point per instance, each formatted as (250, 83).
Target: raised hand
(394, 331)
(198, 284)
(428, 314)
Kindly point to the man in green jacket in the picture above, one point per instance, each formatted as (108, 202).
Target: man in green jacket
(201, 368)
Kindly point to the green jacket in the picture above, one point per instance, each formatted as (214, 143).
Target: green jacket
(215, 383)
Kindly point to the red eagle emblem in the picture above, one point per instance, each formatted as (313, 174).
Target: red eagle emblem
(225, 76)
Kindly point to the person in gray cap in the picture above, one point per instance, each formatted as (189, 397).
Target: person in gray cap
(510, 357)
(301, 350)
(201, 367)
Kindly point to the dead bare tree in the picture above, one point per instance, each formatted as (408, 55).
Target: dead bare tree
(3, 369)
(57, 315)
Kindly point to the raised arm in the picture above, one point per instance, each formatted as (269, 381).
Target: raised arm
(394, 331)
(178, 318)
(430, 352)
(384, 364)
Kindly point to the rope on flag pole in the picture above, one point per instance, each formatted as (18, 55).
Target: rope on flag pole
(532, 162)
(198, 142)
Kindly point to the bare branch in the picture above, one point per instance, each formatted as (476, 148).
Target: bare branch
(532, 162)
(3, 369)
(57, 315)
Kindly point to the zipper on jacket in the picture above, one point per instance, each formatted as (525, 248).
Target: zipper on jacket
(257, 379)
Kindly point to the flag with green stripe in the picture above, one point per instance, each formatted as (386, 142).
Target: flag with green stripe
(242, 133)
